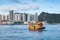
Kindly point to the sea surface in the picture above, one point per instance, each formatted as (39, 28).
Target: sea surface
(21, 32)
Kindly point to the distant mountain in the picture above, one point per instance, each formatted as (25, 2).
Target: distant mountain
(49, 17)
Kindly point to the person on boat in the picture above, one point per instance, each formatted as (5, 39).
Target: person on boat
(29, 23)
(39, 25)
(31, 26)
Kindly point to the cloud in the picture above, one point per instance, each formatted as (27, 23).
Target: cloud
(15, 1)
(34, 0)
(20, 7)
(23, 5)
(4, 9)
(23, 1)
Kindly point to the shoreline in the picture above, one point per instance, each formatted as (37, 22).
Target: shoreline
(13, 24)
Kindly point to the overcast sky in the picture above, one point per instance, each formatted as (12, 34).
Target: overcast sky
(30, 6)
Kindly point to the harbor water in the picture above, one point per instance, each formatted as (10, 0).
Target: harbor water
(21, 32)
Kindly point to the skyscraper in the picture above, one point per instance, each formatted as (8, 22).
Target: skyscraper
(17, 17)
(11, 16)
(7, 17)
(30, 18)
(0, 19)
(36, 18)
(24, 17)
(3, 17)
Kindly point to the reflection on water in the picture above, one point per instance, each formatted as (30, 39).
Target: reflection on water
(21, 32)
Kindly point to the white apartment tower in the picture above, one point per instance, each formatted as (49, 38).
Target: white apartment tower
(24, 17)
(17, 17)
(28, 17)
(36, 18)
(3, 17)
(0, 19)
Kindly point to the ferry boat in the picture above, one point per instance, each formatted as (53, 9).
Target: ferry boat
(38, 26)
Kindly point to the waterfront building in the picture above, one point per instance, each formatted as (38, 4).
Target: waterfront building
(11, 16)
(17, 17)
(21, 17)
(0, 19)
(28, 17)
(7, 17)
(31, 18)
(3, 17)
(24, 17)
(36, 18)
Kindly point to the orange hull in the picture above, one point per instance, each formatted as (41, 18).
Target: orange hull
(35, 28)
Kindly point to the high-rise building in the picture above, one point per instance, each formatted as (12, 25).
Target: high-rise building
(30, 17)
(3, 17)
(11, 16)
(36, 18)
(26, 17)
(7, 17)
(23, 17)
(0, 19)
(17, 17)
